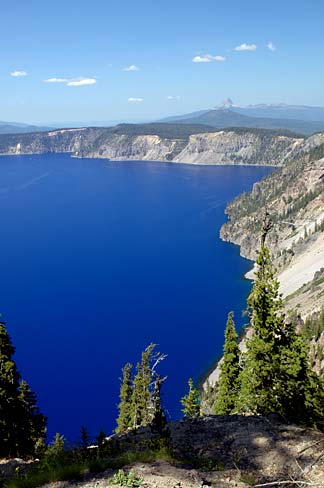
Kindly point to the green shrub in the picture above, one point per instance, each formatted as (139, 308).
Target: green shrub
(127, 479)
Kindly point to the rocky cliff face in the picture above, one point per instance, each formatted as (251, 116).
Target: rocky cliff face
(294, 197)
(236, 146)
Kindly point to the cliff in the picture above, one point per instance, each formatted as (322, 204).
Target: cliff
(161, 142)
(294, 197)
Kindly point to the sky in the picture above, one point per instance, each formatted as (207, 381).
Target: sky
(126, 60)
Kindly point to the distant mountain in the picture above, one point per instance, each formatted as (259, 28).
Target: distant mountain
(18, 128)
(182, 118)
(222, 118)
(282, 111)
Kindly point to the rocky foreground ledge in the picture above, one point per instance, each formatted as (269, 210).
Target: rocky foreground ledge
(224, 452)
(236, 450)
(265, 447)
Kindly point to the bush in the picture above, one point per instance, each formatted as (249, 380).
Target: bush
(127, 479)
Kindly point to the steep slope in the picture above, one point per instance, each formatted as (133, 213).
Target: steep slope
(294, 197)
(196, 144)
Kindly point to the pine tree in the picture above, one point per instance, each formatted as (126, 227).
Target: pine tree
(22, 426)
(34, 422)
(56, 449)
(84, 437)
(143, 404)
(101, 438)
(277, 376)
(191, 402)
(124, 420)
(9, 404)
(140, 397)
(229, 377)
(158, 421)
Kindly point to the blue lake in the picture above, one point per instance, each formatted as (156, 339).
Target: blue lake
(98, 259)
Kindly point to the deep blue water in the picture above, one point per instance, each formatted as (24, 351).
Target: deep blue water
(98, 259)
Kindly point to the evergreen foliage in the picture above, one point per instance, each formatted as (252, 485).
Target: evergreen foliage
(277, 376)
(140, 397)
(141, 390)
(124, 420)
(33, 421)
(230, 369)
(22, 426)
(57, 447)
(101, 437)
(84, 437)
(191, 401)
(158, 417)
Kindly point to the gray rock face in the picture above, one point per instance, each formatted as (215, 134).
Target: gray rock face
(221, 147)
(231, 147)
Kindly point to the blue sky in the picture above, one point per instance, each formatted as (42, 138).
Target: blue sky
(181, 56)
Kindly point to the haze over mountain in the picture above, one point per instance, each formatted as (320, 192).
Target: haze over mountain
(282, 111)
(18, 128)
(303, 119)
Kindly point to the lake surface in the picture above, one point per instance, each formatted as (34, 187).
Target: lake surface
(98, 259)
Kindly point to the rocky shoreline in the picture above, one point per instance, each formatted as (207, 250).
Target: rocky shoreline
(233, 146)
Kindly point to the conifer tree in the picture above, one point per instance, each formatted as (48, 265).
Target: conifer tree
(191, 402)
(9, 405)
(158, 417)
(124, 420)
(21, 423)
(142, 405)
(140, 396)
(228, 385)
(56, 449)
(276, 376)
(84, 437)
(33, 421)
(101, 438)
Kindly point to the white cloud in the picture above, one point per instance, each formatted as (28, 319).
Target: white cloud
(17, 74)
(82, 82)
(72, 81)
(207, 58)
(271, 46)
(132, 67)
(134, 99)
(246, 47)
(172, 97)
(56, 80)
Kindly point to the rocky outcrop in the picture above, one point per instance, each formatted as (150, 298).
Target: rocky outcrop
(266, 448)
(294, 197)
(235, 146)
(238, 147)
